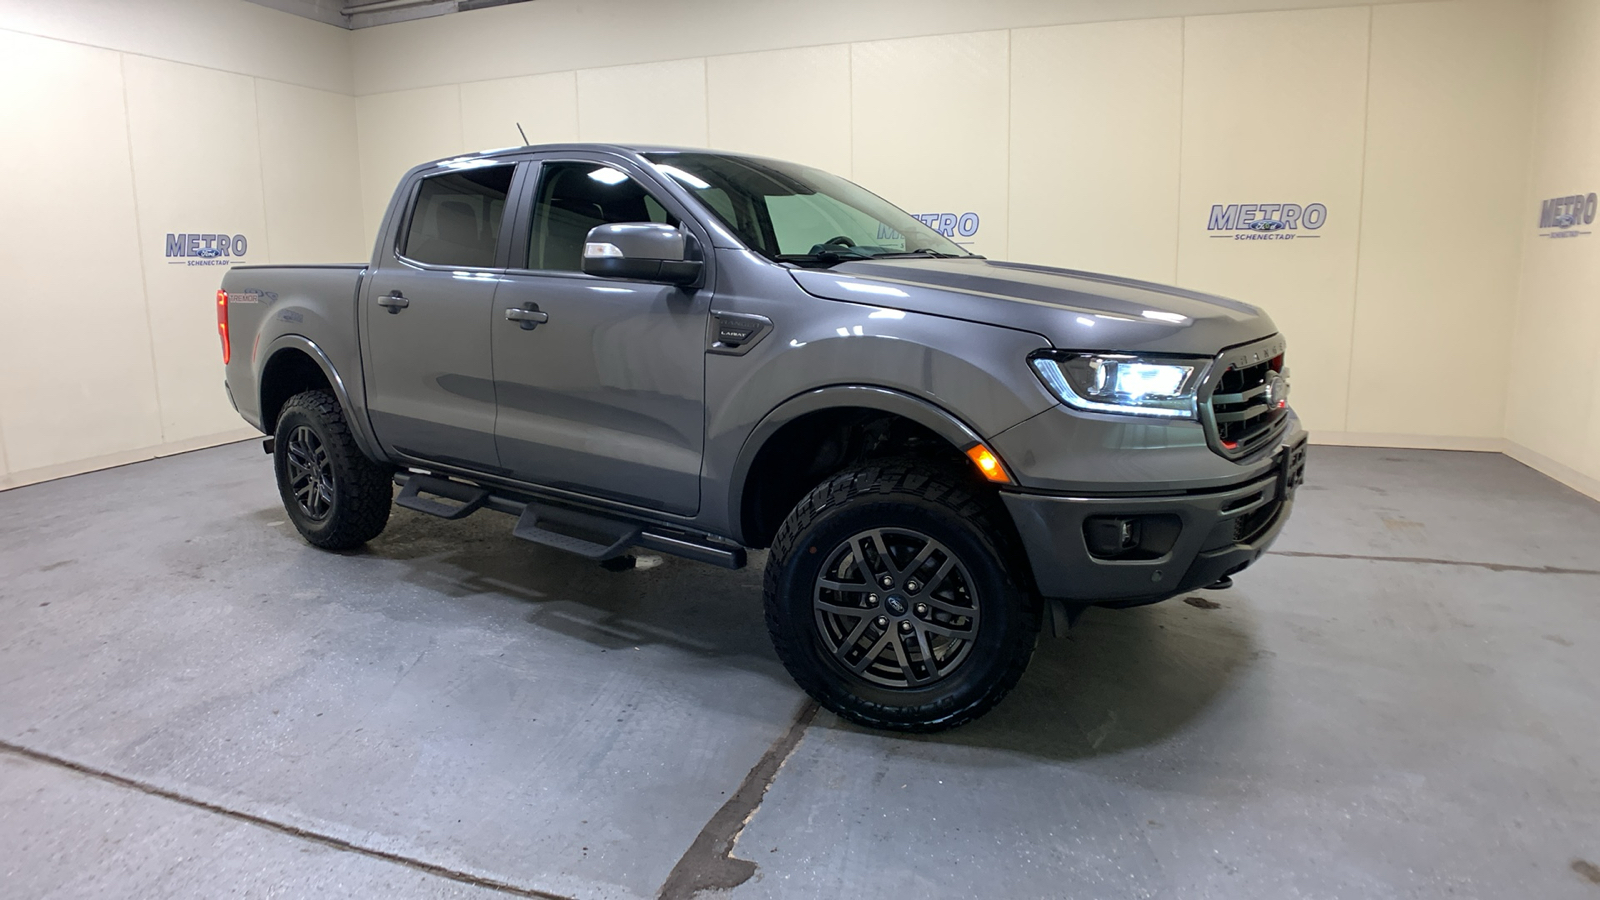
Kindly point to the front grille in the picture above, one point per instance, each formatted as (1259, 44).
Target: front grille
(1240, 419)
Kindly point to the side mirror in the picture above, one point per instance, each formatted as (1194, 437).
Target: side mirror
(644, 251)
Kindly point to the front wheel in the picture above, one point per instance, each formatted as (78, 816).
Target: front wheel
(337, 498)
(890, 599)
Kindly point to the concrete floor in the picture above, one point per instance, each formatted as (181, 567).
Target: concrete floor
(1400, 701)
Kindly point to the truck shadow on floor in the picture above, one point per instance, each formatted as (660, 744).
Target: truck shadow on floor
(1123, 679)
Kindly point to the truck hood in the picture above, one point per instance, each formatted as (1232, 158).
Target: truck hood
(1073, 310)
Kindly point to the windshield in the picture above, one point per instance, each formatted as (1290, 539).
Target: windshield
(798, 214)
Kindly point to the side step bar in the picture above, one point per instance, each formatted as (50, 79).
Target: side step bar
(615, 537)
(470, 499)
(589, 534)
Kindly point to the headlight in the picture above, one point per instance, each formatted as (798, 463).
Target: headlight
(1119, 383)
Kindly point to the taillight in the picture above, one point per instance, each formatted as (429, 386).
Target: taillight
(222, 324)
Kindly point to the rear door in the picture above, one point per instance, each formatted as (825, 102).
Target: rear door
(426, 316)
(607, 395)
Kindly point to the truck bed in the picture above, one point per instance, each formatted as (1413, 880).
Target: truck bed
(270, 306)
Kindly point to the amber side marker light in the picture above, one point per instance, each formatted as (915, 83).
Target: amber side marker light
(988, 463)
(222, 324)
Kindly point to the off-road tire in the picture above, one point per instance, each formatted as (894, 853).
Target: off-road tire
(358, 508)
(966, 518)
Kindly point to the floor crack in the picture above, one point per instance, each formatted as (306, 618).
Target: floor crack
(709, 863)
(1427, 561)
(304, 834)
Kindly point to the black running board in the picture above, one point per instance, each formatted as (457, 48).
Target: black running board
(590, 534)
(571, 530)
(468, 498)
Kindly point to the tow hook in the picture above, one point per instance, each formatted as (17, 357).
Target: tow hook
(1221, 584)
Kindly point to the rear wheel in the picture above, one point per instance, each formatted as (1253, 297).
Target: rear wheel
(890, 599)
(336, 497)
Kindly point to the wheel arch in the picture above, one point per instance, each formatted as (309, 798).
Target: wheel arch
(294, 363)
(752, 523)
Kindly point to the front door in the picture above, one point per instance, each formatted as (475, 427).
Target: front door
(430, 385)
(605, 395)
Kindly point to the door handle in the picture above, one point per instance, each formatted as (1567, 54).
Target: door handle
(393, 302)
(530, 318)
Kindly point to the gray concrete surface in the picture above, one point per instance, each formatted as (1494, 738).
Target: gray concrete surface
(1399, 702)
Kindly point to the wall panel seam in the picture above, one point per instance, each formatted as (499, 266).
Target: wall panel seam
(1011, 211)
(261, 166)
(705, 88)
(1530, 185)
(1183, 79)
(1361, 211)
(461, 121)
(577, 101)
(577, 110)
(850, 114)
(5, 466)
(138, 224)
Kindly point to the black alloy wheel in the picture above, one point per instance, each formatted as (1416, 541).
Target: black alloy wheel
(310, 474)
(896, 607)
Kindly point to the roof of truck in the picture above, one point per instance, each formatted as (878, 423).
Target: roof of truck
(626, 149)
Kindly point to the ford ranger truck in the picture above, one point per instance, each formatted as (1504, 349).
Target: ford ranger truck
(702, 353)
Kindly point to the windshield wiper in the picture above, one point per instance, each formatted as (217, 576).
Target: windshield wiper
(829, 256)
(924, 251)
(840, 254)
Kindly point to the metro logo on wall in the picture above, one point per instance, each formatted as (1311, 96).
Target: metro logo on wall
(950, 224)
(1559, 217)
(206, 249)
(1266, 221)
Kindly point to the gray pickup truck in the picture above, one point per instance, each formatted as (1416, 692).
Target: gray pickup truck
(700, 353)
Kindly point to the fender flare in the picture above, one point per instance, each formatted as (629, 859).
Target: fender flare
(359, 427)
(935, 418)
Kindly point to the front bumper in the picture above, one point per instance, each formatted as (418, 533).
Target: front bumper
(1220, 531)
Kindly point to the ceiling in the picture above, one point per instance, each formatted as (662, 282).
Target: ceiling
(367, 13)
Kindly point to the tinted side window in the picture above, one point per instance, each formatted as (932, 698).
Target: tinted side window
(457, 216)
(574, 197)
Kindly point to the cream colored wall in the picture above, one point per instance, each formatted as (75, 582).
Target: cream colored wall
(546, 106)
(72, 385)
(1285, 128)
(1099, 145)
(1440, 229)
(129, 124)
(1094, 134)
(565, 35)
(789, 103)
(1069, 120)
(928, 119)
(397, 131)
(226, 35)
(1553, 418)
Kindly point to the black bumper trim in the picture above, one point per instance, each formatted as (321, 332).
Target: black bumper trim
(1222, 532)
